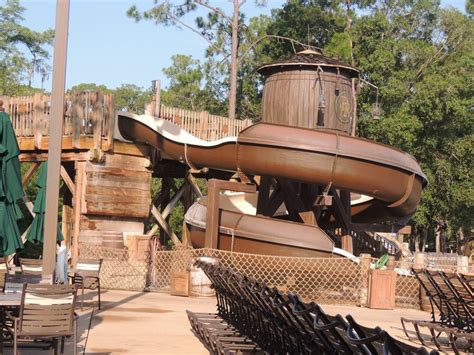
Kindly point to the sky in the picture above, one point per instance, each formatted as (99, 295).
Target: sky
(106, 47)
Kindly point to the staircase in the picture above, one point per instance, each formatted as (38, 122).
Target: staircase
(371, 243)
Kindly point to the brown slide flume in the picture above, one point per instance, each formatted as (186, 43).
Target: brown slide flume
(393, 178)
(312, 156)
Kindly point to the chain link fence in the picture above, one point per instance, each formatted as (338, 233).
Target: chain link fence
(324, 280)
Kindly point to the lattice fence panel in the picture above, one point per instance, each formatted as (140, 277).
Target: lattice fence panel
(120, 269)
(324, 280)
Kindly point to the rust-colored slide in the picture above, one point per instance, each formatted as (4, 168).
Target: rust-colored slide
(391, 177)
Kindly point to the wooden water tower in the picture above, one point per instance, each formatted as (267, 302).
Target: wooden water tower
(310, 90)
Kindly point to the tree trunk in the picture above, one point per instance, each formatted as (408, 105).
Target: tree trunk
(424, 239)
(444, 240)
(416, 243)
(233, 61)
(438, 239)
(460, 241)
(348, 30)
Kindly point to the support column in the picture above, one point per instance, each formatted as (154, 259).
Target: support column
(55, 137)
(346, 243)
(365, 260)
(78, 196)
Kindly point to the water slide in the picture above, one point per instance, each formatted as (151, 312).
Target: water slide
(387, 181)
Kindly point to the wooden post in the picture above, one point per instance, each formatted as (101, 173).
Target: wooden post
(365, 261)
(157, 89)
(419, 262)
(80, 183)
(346, 243)
(97, 118)
(194, 186)
(205, 125)
(165, 199)
(77, 114)
(212, 215)
(37, 113)
(55, 137)
(110, 109)
(67, 180)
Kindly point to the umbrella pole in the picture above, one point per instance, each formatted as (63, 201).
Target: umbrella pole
(55, 137)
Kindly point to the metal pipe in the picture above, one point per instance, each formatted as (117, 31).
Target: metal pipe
(55, 137)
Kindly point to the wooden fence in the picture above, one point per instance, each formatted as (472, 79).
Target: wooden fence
(92, 113)
(86, 113)
(202, 124)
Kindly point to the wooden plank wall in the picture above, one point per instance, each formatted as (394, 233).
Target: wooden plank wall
(117, 199)
(120, 187)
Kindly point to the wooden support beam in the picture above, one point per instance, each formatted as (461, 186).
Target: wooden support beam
(78, 201)
(67, 180)
(29, 174)
(346, 243)
(40, 157)
(276, 199)
(294, 204)
(340, 211)
(164, 225)
(194, 186)
(110, 111)
(77, 113)
(174, 200)
(37, 115)
(263, 195)
(212, 216)
(97, 118)
(166, 186)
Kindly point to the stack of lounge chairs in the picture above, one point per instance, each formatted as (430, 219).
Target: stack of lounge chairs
(451, 296)
(254, 318)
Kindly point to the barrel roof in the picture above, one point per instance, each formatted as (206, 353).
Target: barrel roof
(307, 58)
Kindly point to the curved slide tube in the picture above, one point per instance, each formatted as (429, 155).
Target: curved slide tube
(355, 164)
(391, 177)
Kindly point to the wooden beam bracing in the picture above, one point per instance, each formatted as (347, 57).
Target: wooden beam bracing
(67, 180)
(78, 202)
(29, 174)
(164, 225)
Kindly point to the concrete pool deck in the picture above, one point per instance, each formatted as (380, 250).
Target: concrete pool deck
(156, 323)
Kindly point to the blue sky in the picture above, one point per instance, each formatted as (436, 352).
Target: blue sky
(106, 47)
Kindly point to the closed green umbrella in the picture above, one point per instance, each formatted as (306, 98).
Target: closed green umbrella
(10, 188)
(36, 232)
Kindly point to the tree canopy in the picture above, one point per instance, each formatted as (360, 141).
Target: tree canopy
(23, 52)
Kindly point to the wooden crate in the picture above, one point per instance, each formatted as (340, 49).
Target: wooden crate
(138, 246)
(382, 285)
(180, 284)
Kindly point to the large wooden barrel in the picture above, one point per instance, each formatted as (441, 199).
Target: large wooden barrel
(199, 283)
(309, 90)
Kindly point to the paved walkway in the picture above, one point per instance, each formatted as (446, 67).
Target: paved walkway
(154, 323)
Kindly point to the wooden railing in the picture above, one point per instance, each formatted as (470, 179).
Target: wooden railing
(202, 124)
(92, 113)
(86, 113)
